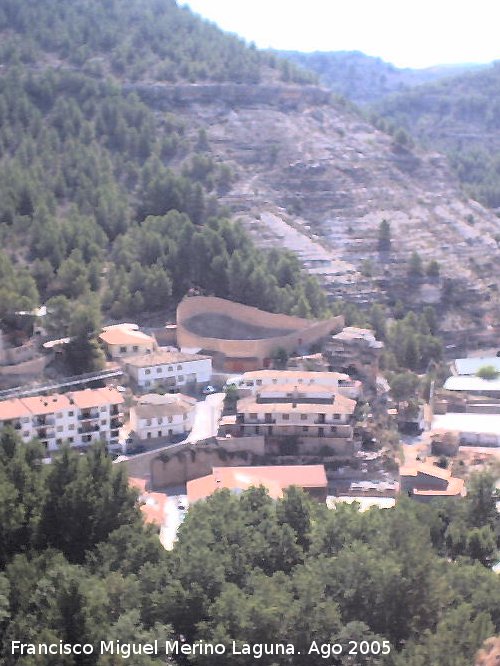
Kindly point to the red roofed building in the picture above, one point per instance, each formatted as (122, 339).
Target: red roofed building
(424, 482)
(152, 505)
(78, 417)
(275, 478)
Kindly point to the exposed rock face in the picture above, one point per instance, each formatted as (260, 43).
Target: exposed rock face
(317, 168)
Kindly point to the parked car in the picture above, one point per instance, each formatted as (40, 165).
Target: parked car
(208, 390)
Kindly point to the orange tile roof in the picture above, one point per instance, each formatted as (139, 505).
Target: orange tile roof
(153, 508)
(299, 388)
(13, 409)
(455, 488)
(47, 404)
(124, 335)
(152, 504)
(425, 468)
(275, 478)
(162, 357)
(96, 397)
(294, 375)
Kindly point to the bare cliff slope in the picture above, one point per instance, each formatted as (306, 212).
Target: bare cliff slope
(312, 175)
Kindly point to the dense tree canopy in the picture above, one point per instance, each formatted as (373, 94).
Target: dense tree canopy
(77, 564)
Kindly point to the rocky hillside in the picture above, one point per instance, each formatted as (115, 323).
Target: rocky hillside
(312, 175)
(364, 79)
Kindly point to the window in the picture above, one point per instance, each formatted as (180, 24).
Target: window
(71, 440)
(159, 370)
(180, 378)
(26, 419)
(59, 428)
(336, 416)
(103, 409)
(170, 419)
(135, 348)
(179, 367)
(184, 417)
(160, 420)
(275, 381)
(147, 371)
(170, 368)
(103, 421)
(123, 350)
(259, 382)
(301, 381)
(149, 435)
(26, 434)
(159, 433)
(148, 422)
(305, 428)
(333, 429)
(253, 416)
(71, 413)
(147, 383)
(59, 442)
(71, 427)
(286, 417)
(303, 417)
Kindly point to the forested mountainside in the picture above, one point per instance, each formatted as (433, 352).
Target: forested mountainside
(139, 39)
(102, 200)
(77, 565)
(365, 79)
(461, 117)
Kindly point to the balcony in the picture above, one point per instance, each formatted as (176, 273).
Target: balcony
(116, 422)
(41, 421)
(86, 429)
(87, 416)
(46, 433)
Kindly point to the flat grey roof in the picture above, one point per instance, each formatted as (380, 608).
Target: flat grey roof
(470, 366)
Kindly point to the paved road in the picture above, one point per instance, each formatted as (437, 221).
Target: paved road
(173, 519)
(206, 418)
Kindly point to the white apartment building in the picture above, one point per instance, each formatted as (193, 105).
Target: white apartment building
(252, 382)
(79, 417)
(156, 416)
(170, 369)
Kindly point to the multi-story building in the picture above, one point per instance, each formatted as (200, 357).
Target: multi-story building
(156, 416)
(123, 340)
(79, 417)
(170, 369)
(252, 382)
(356, 351)
(312, 416)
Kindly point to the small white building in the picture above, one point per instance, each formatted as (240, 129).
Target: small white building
(474, 429)
(124, 340)
(156, 416)
(170, 369)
